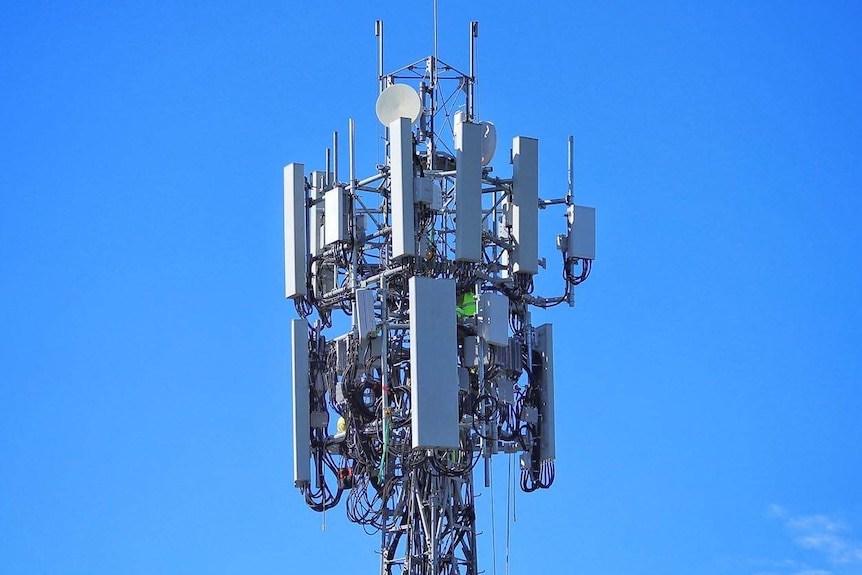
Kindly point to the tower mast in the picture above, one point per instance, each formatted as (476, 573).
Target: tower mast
(431, 261)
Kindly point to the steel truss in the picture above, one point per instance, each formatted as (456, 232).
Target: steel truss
(419, 498)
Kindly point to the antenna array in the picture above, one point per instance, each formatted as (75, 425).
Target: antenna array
(432, 258)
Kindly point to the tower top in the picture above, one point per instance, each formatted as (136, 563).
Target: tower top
(432, 257)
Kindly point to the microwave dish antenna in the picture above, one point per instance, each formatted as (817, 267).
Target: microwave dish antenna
(398, 101)
(489, 142)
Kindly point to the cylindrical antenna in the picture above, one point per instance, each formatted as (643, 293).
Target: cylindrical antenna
(335, 158)
(435, 32)
(351, 147)
(351, 134)
(432, 73)
(326, 178)
(381, 81)
(471, 90)
(378, 31)
(570, 194)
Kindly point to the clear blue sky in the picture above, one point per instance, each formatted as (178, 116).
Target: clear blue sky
(709, 393)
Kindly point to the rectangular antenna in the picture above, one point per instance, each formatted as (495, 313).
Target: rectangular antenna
(335, 228)
(582, 234)
(525, 204)
(401, 189)
(492, 319)
(433, 363)
(295, 233)
(301, 419)
(378, 31)
(468, 197)
(545, 346)
(363, 313)
(315, 214)
(471, 86)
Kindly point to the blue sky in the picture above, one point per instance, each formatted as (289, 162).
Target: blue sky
(708, 380)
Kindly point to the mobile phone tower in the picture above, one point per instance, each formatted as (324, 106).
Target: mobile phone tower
(432, 257)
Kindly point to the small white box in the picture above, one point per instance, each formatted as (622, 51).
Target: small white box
(506, 391)
(335, 229)
(426, 191)
(468, 193)
(582, 238)
(525, 205)
(492, 318)
(363, 313)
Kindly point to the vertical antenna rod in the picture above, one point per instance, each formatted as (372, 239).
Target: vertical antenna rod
(435, 31)
(570, 193)
(471, 89)
(378, 31)
(334, 158)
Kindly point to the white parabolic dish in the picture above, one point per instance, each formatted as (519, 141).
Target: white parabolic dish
(489, 142)
(398, 101)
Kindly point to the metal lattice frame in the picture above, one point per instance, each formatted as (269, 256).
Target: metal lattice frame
(420, 500)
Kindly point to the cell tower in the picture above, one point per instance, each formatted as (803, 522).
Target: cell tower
(432, 258)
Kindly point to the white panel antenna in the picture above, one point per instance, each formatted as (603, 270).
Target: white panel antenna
(582, 237)
(315, 215)
(301, 408)
(335, 229)
(492, 319)
(294, 231)
(434, 363)
(363, 313)
(468, 186)
(525, 205)
(401, 190)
